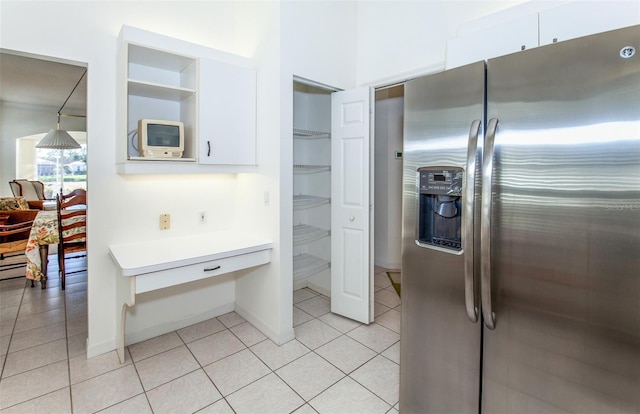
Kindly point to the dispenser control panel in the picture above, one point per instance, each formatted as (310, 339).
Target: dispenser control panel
(444, 182)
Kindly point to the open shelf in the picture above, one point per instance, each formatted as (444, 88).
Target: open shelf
(159, 91)
(307, 134)
(306, 265)
(310, 169)
(303, 233)
(186, 159)
(309, 201)
(163, 60)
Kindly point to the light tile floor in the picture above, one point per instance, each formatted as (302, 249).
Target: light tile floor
(222, 365)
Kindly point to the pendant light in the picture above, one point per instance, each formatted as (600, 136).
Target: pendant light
(59, 138)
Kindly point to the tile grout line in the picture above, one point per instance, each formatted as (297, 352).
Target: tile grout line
(66, 337)
(13, 328)
(24, 290)
(245, 346)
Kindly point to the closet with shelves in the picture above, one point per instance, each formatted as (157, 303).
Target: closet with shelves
(332, 250)
(311, 188)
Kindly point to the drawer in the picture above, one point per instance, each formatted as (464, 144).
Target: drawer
(175, 276)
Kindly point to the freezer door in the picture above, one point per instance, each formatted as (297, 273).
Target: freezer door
(440, 345)
(565, 228)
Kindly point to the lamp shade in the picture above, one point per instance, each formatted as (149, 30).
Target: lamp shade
(58, 139)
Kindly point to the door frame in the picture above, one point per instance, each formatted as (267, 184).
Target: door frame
(332, 89)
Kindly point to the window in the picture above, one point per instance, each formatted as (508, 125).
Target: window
(46, 164)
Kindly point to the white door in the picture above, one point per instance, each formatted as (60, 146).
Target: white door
(351, 264)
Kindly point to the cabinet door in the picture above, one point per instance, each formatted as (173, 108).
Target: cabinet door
(507, 37)
(584, 18)
(227, 114)
(351, 244)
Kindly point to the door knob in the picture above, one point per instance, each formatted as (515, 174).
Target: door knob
(351, 218)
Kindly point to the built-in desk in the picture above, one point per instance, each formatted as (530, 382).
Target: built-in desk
(163, 263)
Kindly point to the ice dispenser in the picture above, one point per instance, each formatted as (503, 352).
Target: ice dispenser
(440, 198)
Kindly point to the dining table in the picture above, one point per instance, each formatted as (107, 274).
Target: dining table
(44, 232)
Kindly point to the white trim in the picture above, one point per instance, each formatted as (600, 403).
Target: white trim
(403, 77)
(170, 326)
(100, 348)
(309, 82)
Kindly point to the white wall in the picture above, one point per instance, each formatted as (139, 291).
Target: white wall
(260, 292)
(318, 41)
(126, 208)
(388, 177)
(398, 40)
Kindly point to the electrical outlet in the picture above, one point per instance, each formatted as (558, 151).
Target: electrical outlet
(203, 216)
(165, 221)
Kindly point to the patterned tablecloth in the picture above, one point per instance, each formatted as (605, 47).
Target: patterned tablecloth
(44, 231)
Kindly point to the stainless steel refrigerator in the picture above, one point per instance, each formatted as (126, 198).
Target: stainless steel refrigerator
(521, 233)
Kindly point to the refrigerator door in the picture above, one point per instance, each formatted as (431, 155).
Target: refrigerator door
(440, 345)
(565, 234)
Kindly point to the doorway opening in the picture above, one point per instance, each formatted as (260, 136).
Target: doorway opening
(388, 133)
(332, 197)
(312, 187)
(36, 92)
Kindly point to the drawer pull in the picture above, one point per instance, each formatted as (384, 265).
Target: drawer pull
(211, 269)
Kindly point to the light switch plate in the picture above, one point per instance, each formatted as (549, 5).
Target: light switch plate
(165, 221)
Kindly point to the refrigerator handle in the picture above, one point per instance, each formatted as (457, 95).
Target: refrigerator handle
(485, 226)
(469, 197)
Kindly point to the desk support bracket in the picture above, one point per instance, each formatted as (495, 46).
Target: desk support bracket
(123, 317)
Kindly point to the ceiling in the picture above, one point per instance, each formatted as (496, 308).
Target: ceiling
(30, 81)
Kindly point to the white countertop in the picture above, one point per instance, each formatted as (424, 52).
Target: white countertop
(138, 258)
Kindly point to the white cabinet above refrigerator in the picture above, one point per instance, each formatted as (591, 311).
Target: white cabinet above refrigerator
(536, 24)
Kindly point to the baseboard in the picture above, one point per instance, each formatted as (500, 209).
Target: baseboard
(277, 337)
(163, 328)
(299, 284)
(388, 266)
(320, 289)
(100, 348)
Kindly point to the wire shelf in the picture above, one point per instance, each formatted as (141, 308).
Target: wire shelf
(310, 169)
(307, 134)
(308, 201)
(306, 265)
(303, 233)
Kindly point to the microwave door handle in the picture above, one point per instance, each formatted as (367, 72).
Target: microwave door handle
(485, 226)
(467, 214)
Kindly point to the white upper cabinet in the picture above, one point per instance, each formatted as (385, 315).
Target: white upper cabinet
(535, 24)
(227, 112)
(577, 19)
(212, 93)
(508, 37)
